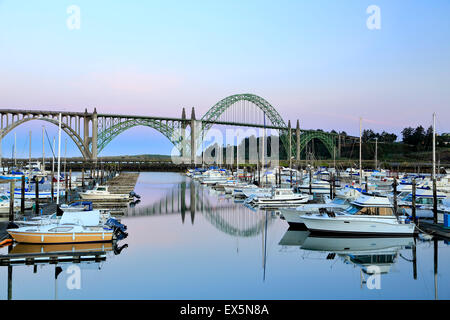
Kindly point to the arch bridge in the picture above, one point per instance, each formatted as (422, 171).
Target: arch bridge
(91, 132)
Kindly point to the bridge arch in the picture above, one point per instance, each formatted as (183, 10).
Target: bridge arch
(67, 129)
(220, 107)
(306, 136)
(327, 139)
(108, 134)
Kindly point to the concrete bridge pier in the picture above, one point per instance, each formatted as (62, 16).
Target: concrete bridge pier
(193, 137)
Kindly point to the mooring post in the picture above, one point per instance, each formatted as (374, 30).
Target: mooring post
(414, 254)
(82, 179)
(36, 201)
(331, 186)
(66, 194)
(413, 207)
(435, 217)
(367, 185)
(70, 179)
(395, 195)
(310, 181)
(22, 194)
(334, 186)
(53, 187)
(11, 200)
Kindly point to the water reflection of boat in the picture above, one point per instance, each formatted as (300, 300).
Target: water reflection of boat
(24, 248)
(363, 252)
(294, 238)
(21, 253)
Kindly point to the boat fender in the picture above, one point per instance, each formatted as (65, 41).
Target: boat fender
(6, 242)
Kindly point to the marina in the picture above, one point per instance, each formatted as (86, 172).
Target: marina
(225, 159)
(172, 225)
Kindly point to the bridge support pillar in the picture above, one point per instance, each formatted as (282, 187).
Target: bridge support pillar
(183, 137)
(193, 137)
(86, 129)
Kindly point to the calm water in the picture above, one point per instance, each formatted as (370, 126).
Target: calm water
(189, 242)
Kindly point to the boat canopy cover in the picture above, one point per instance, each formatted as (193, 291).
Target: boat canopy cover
(83, 218)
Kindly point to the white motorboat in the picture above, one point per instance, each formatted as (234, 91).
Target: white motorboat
(424, 204)
(214, 176)
(102, 193)
(317, 187)
(279, 198)
(368, 215)
(5, 204)
(229, 188)
(77, 206)
(251, 192)
(294, 216)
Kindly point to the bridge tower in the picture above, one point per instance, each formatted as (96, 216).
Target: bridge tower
(183, 136)
(193, 137)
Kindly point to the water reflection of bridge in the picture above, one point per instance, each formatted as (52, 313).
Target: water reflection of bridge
(222, 212)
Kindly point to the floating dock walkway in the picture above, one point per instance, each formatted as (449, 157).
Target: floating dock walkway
(123, 182)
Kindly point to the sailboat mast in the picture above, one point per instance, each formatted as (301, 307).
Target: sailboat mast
(65, 157)
(1, 165)
(376, 153)
(15, 158)
(59, 160)
(434, 147)
(263, 144)
(53, 157)
(360, 152)
(237, 155)
(43, 150)
(29, 162)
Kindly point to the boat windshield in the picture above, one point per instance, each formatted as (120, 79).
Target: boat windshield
(60, 229)
(101, 189)
(375, 211)
(423, 200)
(353, 209)
(339, 201)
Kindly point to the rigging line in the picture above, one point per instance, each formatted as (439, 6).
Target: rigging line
(50, 144)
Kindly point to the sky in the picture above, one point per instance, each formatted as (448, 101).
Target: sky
(316, 61)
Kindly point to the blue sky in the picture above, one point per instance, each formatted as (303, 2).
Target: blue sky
(313, 60)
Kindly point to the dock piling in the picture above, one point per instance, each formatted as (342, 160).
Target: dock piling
(36, 203)
(413, 207)
(11, 200)
(22, 193)
(435, 218)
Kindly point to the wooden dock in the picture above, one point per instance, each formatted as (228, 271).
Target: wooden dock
(123, 183)
(52, 257)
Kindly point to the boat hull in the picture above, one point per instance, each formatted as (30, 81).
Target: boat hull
(357, 226)
(58, 238)
(104, 197)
